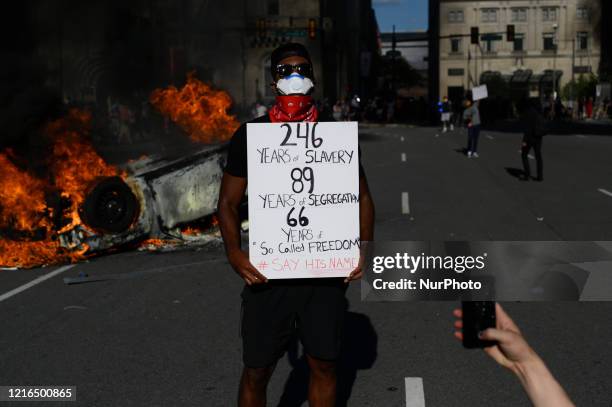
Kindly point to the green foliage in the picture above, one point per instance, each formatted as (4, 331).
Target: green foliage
(403, 74)
(584, 86)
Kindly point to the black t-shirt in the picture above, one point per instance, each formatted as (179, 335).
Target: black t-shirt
(237, 155)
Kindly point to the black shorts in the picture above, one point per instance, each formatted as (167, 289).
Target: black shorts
(273, 312)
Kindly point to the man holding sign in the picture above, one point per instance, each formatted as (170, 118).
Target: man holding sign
(309, 207)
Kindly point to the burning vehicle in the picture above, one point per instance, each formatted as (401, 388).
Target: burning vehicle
(78, 205)
(155, 201)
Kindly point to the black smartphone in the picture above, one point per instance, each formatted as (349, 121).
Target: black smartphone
(477, 316)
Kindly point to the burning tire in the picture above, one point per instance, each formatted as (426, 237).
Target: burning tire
(110, 206)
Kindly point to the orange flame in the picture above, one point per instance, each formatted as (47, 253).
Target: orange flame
(75, 163)
(72, 165)
(198, 109)
(23, 198)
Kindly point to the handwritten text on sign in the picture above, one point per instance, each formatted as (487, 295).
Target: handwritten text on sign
(303, 199)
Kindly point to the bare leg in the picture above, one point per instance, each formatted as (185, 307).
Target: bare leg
(253, 384)
(322, 387)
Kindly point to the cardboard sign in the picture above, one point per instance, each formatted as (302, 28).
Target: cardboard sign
(480, 92)
(303, 191)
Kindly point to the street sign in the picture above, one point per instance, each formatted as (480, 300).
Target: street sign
(491, 37)
(303, 181)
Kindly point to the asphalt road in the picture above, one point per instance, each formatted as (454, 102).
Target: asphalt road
(169, 337)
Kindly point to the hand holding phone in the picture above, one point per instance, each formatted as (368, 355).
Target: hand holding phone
(477, 316)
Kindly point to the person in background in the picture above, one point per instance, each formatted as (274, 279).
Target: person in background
(258, 110)
(337, 111)
(514, 353)
(534, 129)
(588, 107)
(471, 117)
(125, 119)
(445, 109)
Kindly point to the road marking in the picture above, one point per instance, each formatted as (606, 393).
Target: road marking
(405, 203)
(530, 156)
(34, 282)
(402, 138)
(605, 191)
(490, 137)
(415, 396)
(403, 157)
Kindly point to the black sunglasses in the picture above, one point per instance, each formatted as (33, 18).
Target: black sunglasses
(285, 70)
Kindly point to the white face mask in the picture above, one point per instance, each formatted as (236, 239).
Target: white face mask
(294, 83)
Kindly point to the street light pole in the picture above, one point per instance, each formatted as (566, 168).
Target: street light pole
(572, 88)
(555, 43)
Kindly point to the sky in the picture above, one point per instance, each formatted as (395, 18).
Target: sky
(407, 15)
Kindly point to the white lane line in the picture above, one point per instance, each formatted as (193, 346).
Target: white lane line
(35, 281)
(415, 396)
(402, 138)
(403, 157)
(530, 156)
(405, 204)
(490, 137)
(605, 191)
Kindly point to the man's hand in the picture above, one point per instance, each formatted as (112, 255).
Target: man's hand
(242, 265)
(355, 274)
(358, 272)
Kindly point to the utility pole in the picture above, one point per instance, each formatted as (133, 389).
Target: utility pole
(433, 59)
(572, 88)
(393, 47)
(555, 44)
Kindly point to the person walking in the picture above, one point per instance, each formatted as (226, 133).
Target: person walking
(534, 129)
(471, 117)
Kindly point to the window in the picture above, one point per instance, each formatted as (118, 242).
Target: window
(456, 71)
(519, 42)
(488, 44)
(582, 13)
(549, 13)
(549, 42)
(455, 16)
(273, 7)
(455, 45)
(582, 40)
(519, 14)
(489, 15)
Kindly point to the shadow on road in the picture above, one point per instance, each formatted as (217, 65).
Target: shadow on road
(514, 172)
(359, 352)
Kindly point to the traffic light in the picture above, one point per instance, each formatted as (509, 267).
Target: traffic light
(312, 28)
(510, 32)
(474, 35)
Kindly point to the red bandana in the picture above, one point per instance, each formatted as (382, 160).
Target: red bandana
(293, 109)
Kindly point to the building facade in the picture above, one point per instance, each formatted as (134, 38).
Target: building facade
(102, 49)
(554, 42)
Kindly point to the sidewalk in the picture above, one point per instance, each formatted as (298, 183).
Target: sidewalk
(558, 127)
